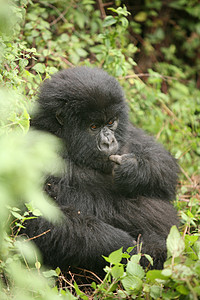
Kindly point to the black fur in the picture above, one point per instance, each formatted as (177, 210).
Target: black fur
(108, 200)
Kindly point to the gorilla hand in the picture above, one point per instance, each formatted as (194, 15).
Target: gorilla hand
(123, 159)
(125, 172)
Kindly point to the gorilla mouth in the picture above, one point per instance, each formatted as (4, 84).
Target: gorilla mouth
(107, 151)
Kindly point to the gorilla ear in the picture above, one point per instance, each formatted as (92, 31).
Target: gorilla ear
(47, 121)
(59, 117)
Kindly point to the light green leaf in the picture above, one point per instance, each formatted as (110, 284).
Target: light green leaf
(141, 16)
(152, 275)
(108, 21)
(155, 291)
(115, 257)
(175, 243)
(132, 283)
(117, 271)
(136, 258)
(40, 68)
(50, 273)
(149, 258)
(135, 269)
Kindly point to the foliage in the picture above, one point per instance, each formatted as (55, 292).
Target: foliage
(37, 38)
(111, 52)
(179, 279)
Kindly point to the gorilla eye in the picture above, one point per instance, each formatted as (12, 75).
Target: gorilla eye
(93, 127)
(110, 123)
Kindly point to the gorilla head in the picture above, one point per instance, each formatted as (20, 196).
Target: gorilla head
(89, 104)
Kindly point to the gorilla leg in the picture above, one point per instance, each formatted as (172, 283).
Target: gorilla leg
(77, 241)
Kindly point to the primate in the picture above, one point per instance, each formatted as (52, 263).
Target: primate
(119, 182)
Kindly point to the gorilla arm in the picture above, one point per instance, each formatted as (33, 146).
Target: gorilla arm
(147, 170)
(77, 240)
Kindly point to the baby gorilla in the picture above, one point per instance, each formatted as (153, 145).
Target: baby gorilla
(119, 181)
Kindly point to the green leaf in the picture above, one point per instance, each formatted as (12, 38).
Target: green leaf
(124, 22)
(94, 285)
(24, 121)
(149, 258)
(122, 294)
(81, 52)
(16, 215)
(197, 248)
(50, 273)
(117, 271)
(136, 258)
(108, 21)
(23, 63)
(36, 212)
(132, 283)
(166, 272)
(141, 16)
(130, 249)
(115, 257)
(135, 269)
(58, 271)
(79, 292)
(152, 275)
(182, 289)
(40, 68)
(175, 243)
(120, 11)
(197, 290)
(155, 291)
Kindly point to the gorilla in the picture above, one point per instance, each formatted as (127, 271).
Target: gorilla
(118, 184)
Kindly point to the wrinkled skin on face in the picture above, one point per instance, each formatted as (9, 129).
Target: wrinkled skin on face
(105, 137)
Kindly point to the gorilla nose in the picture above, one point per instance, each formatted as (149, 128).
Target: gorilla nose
(109, 145)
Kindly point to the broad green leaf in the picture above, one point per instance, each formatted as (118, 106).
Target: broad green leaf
(155, 291)
(166, 272)
(108, 21)
(16, 215)
(50, 273)
(115, 257)
(122, 294)
(40, 68)
(182, 289)
(136, 258)
(117, 271)
(141, 16)
(152, 275)
(132, 283)
(175, 243)
(135, 269)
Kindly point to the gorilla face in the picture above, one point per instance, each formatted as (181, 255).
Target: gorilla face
(91, 140)
(86, 108)
(105, 136)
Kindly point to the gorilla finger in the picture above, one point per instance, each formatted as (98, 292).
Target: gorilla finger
(116, 159)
